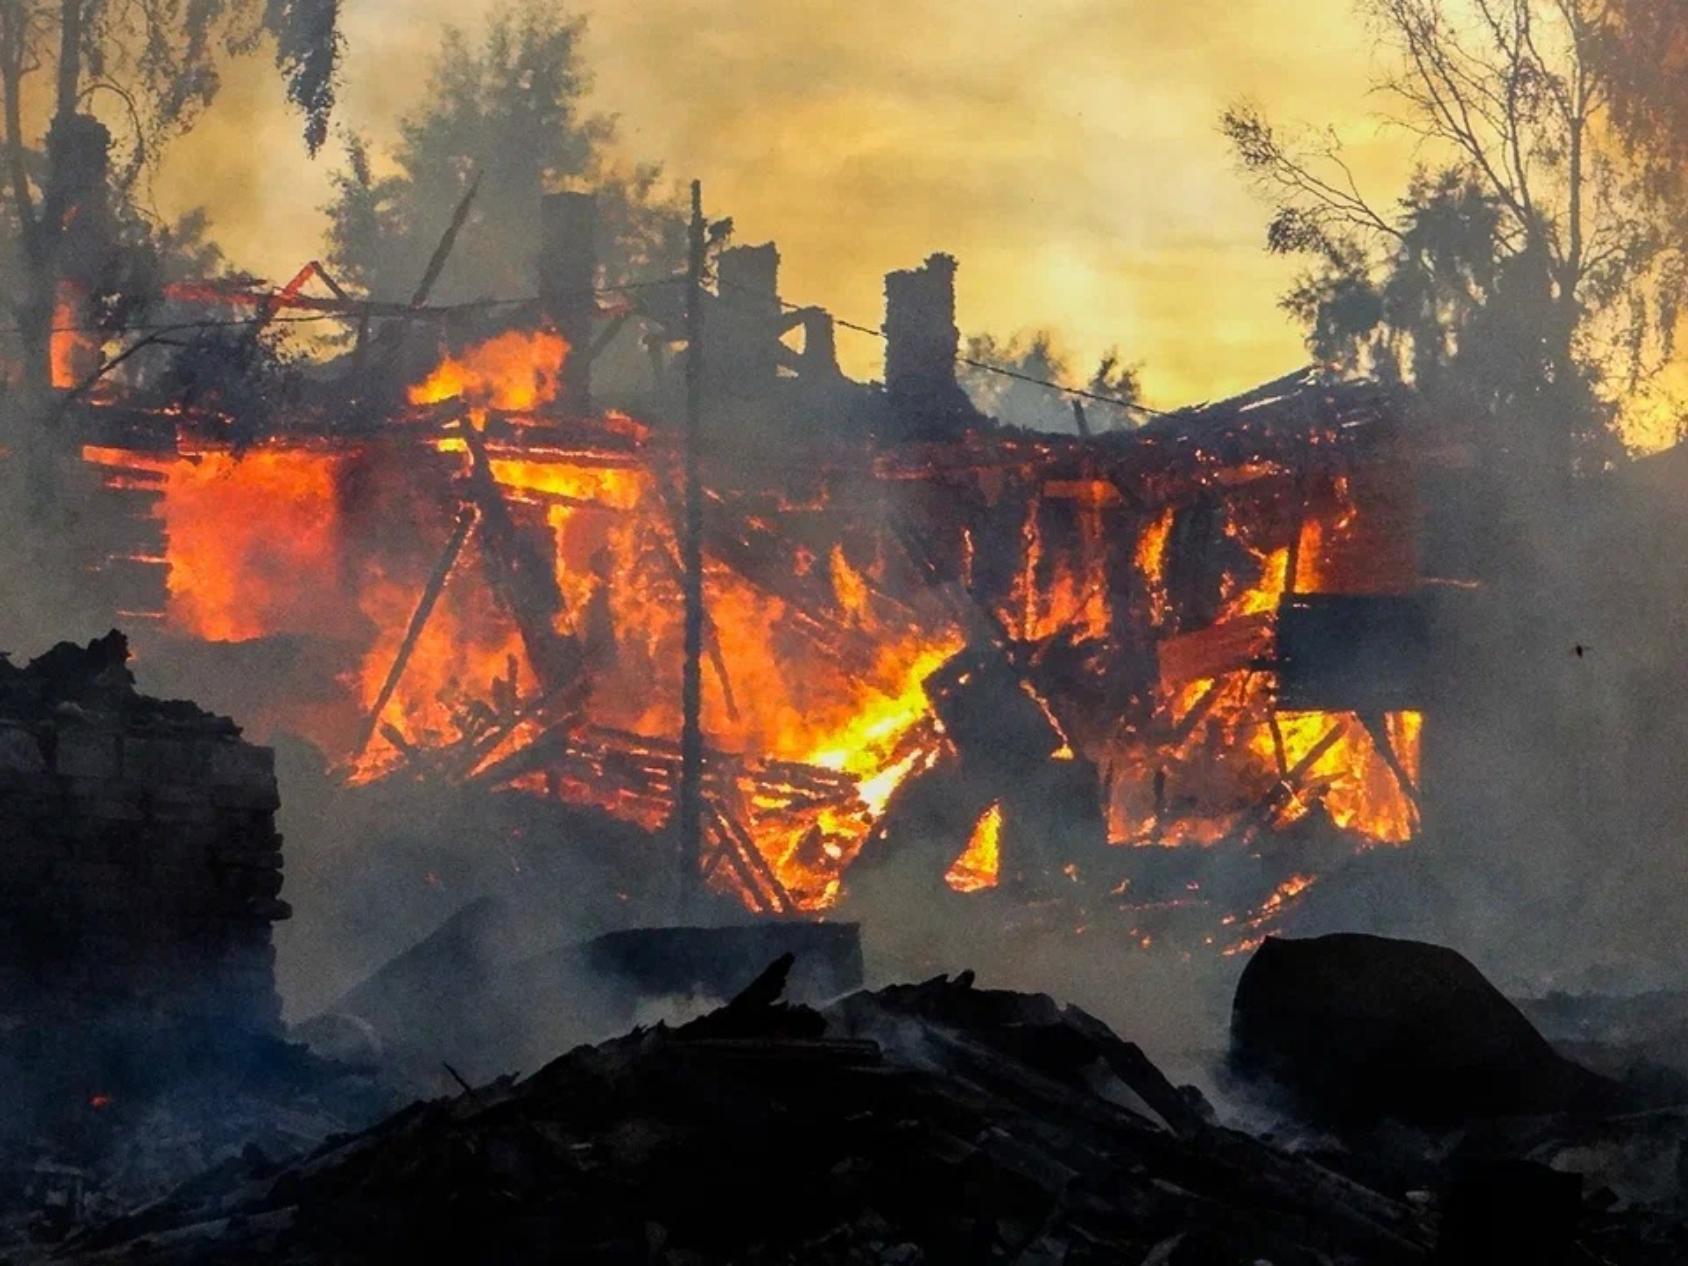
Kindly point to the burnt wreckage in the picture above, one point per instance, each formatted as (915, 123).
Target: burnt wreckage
(1167, 681)
(933, 645)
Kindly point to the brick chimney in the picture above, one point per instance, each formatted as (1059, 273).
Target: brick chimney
(921, 344)
(568, 273)
(744, 348)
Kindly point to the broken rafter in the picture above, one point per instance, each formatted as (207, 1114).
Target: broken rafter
(419, 619)
(524, 582)
(448, 241)
(1286, 787)
(727, 849)
(745, 853)
(1198, 713)
(420, 759)
(604, 337)
(1378, 728)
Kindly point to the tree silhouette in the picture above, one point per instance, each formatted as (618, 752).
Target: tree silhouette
(1037, 354)
(151, 66)
(1531, 272)
(508, 111)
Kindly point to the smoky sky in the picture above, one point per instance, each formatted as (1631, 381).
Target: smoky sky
(1065, 150)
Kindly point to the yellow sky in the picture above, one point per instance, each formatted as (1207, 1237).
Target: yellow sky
(1064, 150)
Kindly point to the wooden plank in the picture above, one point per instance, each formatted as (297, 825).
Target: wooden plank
(1220, 648)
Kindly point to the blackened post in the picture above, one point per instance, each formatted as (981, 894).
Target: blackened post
(1079, 419)
(568, 268)
(691, 557)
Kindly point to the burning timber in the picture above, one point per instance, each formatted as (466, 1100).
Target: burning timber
(514, 621)
(939, 654)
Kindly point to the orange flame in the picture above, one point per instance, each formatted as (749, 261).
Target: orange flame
(75, 353)
(252, 540)
(979, 864)
(517, 371)
(814, 703)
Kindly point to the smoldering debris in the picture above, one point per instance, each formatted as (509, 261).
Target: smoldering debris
(936, 1122)
(476, 996)
(931, 1122)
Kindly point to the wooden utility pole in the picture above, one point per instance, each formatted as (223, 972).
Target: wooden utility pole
(1079, 419)
(691, 557)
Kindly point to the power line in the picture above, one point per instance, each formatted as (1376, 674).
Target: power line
(352, 310)
(357, 311)
(986, 366)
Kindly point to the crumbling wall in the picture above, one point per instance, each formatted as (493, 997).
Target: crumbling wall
(139, 862)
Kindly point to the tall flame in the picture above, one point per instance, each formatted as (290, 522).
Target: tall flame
(75, 353)
(517, 371)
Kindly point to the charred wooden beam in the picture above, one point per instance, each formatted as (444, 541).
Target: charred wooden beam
(604, 337)
(526, 582)
(1198, 713)
(447, 243)
(1226, 647)
(419, 619)
(1378, 728)
(779, 897)
(742, 856)
(1263, 813)
(1079, 419)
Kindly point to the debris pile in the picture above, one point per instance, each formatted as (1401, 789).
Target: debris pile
(1359, 1027)
(1399, 1065)
(114, 1151)
(935, 1123)
(919, 1123)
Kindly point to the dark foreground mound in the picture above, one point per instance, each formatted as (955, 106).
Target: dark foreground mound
(930, 1123)
(1358, 1027)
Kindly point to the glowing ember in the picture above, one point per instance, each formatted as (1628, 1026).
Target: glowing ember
(1280, 899)
(978, 865)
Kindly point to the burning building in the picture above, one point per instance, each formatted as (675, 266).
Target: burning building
(976, 659)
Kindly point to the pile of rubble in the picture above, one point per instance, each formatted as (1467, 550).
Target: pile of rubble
(941, 1122)
(923, 1123)
(111, 1152)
